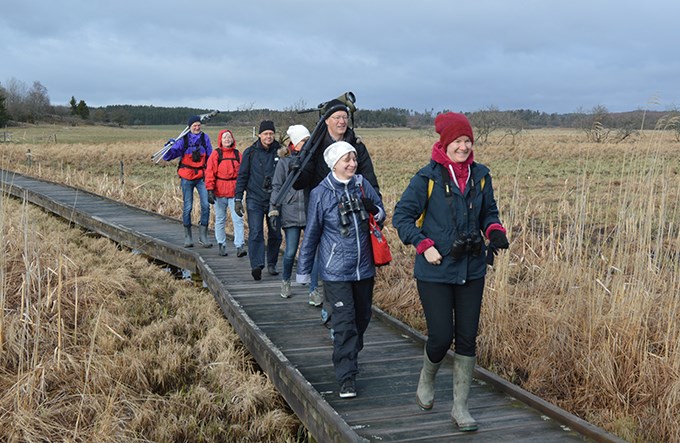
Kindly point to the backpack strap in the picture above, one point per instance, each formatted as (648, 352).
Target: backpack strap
(421, 219)
(430, 185)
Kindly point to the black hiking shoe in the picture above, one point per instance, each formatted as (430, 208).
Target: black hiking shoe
(347, 389)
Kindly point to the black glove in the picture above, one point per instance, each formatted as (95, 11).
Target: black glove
(211, 197)
(498, 240)
(295, 164)
(370, 206)
(238, 207)
(274, 221)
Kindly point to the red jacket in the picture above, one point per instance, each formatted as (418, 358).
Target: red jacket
(222, 169)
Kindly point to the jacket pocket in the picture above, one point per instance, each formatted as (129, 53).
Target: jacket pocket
(330, 256)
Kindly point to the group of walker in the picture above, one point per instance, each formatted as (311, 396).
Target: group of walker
(445, 213)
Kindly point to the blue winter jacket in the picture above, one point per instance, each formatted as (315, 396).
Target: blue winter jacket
(446, 219)
(340, 258)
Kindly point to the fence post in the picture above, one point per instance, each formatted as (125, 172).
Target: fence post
(122, 173)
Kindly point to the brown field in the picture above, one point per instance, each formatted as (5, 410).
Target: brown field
(583, 309)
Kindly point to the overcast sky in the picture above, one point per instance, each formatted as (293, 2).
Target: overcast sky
(550, 56)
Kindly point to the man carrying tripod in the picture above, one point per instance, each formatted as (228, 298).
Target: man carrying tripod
(336, 115)
(337, 129)
(193, 150)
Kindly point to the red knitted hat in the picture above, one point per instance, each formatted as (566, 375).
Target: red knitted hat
(450, 126)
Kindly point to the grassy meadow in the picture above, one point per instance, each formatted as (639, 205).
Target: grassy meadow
(582, 310)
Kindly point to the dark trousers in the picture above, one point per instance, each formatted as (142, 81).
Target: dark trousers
(351, 302)
(257, 216)
(451, 311)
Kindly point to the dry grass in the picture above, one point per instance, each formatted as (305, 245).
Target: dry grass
(99, 345)
(583, 308)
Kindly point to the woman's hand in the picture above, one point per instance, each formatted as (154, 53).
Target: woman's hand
(432, 256)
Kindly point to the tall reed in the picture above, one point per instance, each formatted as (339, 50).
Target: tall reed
(99, 345)
(582, 310)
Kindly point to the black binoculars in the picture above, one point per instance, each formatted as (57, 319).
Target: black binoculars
(196, 155)
(267, 184)
(347, 206)
(468, 244)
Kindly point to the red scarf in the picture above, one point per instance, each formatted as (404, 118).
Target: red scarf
(461, 170)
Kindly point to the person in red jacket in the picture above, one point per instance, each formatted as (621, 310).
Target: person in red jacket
(220, 180)
(193, 151)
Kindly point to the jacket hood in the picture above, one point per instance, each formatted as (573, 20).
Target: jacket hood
(219, 139)
(285, 151)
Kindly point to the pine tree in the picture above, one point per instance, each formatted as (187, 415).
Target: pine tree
(74, 106)
(4, 115)
(82, 110)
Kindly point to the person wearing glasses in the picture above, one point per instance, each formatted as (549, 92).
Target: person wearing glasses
(337, 129)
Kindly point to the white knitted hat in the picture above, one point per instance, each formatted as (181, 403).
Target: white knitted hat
(297, 133)
(334, 152)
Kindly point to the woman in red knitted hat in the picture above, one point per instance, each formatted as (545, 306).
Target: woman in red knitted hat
(446, 208)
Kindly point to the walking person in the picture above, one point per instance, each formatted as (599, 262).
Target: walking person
(337, 224)
(220, 180)
(336, 129)
(193, 151)
(291, 214)
(255, 180)
(450, 264)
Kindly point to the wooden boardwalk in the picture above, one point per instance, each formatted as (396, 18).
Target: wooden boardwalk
(290, 344)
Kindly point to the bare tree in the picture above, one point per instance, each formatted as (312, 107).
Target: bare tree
(512, 127)
(597, 124)
(485, 122)
(16, 98)
(294, 115)
(37, 100)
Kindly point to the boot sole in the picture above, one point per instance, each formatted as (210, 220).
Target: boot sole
(469, 427)
(423, 406)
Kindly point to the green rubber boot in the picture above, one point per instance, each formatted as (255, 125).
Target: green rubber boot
(203, 237)
(188, 241)
(425, 391)
(463, 367)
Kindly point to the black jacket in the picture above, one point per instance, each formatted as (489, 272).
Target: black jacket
(317, 169)
(256, 172)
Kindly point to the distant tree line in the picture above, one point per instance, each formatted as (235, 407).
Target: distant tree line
(21, 103)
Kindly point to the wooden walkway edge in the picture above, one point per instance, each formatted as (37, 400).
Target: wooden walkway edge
(286, 338)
